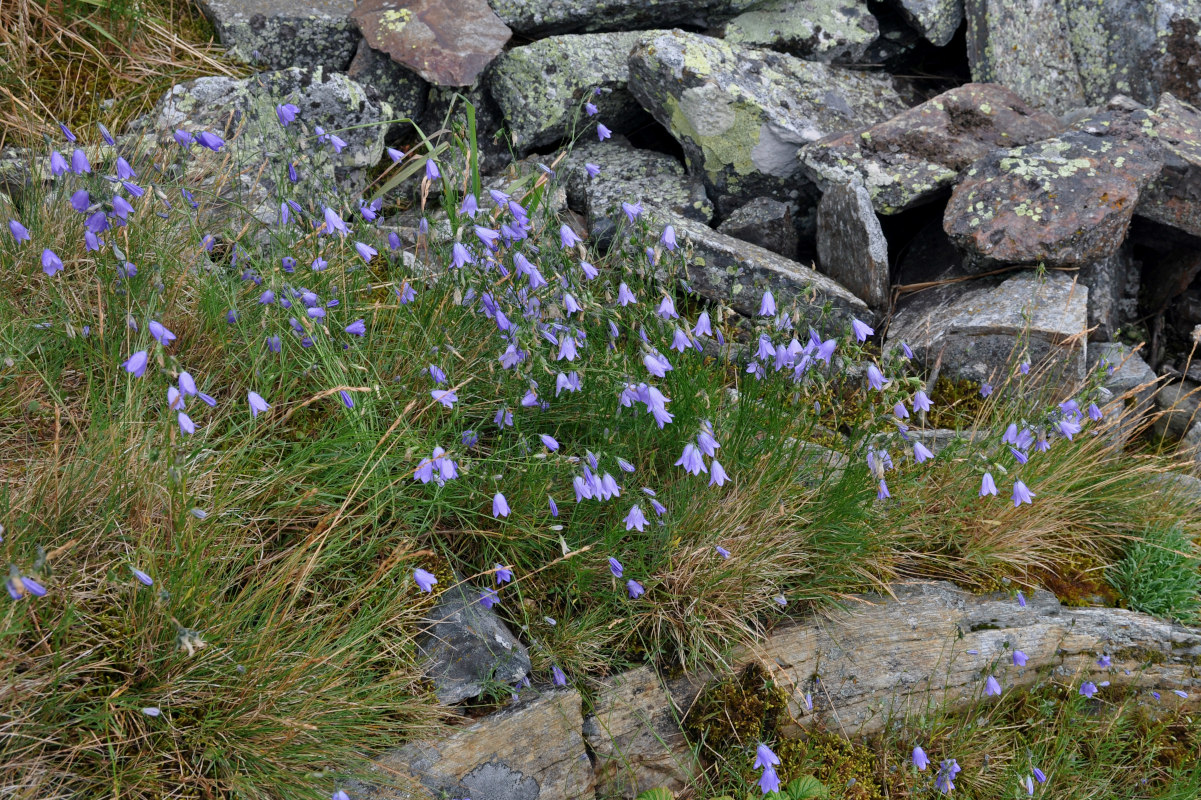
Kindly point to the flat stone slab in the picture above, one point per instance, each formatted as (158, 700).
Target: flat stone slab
(832, 31)
(541, 87)
(655, 180)
(915, 156)
(936, 20)
(539, 18)
(851, 247)
(278, 34)
(740, 114)
(1174, 198)
(1064, 201)
(447, 42)
(531, 751)
(634, 733)
(972, 328)
(736, 273)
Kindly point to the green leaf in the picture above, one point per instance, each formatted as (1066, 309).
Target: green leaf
(805, 788)
(658, 793)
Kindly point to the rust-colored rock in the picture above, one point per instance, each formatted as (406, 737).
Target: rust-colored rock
(1065, 201)
(447, 42)
(909, 159)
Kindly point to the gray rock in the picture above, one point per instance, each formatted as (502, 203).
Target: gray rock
(733, 272)
(1024, 44)
(1177, 404)
(495, 151)
(1128, 379)
(532, 751)
(974, 329)
(655, 180)
(540, 18)
(541, 87)
(936, 20)
(837, 31)
(401, 88)
(740, 114)
(279, 34)
(1112, 293)
(915, 156)
(764, 222)
(851, 247)
(466, 648)
(243, 113)
(1064, 201)
(447, 42)
(1174, 198)
(1138, 48)
(634, 733)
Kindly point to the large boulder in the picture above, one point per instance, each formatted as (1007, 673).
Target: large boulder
(1174, 198)
(976, 330)
(243, 112)
(837, 31)
(1071, 53)
(628, 175)
(531, 751)
(1024, 44)
(538, 18)
(278, 34)
(740, 114)
(541, 87)
(404, 90)
(727, 270)
(447, 42)
(764, 222)
(915, 156)
(936, 20)
(1064, 201)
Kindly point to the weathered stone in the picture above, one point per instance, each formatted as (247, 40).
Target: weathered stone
(764, 222)
(1174, 198)
(531, 751)
(465, 647)
(837, 31)
(1128, 379)
(972, 329)
(447, 42)
(495, 151)
(634, 733)
(736, 273)
(243, 113)
(1136, 47)
(1112, 293)
(540, 18)
(401, 88)
(913, 157)
(278, 34)
(926, 641)
(541, 87)
(1064, 201)
(1177, 404)
(740, 114)
(1024, 45)
(936, 20)
(655, 180)
(851, 247)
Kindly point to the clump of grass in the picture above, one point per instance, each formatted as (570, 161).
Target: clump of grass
(483, 393)
(1158, 574)
(87, 61)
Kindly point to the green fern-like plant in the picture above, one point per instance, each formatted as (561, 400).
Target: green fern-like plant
(1159, 575)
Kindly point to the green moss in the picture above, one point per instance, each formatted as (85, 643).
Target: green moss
(955, 404)
(737, 711)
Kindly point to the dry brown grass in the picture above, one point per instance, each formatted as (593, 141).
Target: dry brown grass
(64, 60)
